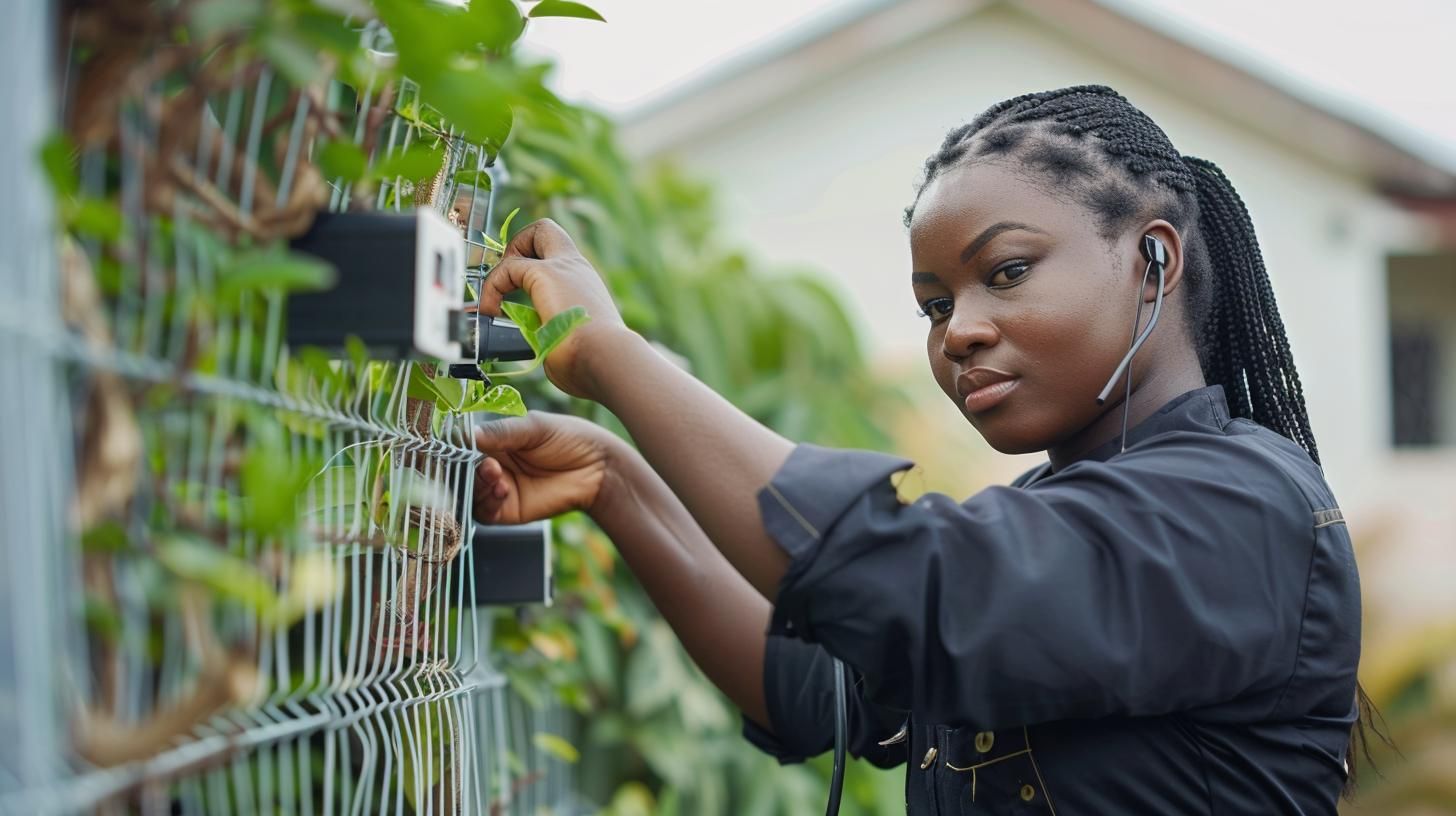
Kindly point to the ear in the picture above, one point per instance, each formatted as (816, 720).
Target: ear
(1173, 269)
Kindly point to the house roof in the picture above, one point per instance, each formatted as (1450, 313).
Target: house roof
(1315, 123)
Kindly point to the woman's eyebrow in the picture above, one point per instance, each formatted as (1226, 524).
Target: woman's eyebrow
(991, 232)
(928, 278)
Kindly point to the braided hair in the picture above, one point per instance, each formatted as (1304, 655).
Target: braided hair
(1089, 142)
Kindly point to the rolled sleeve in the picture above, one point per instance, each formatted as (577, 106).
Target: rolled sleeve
(807, 495)
(1132, 587)
(798, 681)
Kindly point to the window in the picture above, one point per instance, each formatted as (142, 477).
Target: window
(1422, 299)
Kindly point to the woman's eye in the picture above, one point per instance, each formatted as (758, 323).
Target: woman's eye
(935, 308)
(1009, 274)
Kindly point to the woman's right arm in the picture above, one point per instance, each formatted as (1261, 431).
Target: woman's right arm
(542, 465)
(719, 617)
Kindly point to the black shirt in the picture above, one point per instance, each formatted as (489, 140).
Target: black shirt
(1170, 629)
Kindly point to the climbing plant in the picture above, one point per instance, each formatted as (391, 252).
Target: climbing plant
(656, 736)
(176, 222)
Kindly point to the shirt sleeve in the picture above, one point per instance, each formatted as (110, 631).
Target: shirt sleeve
(798, 680)
(1168, 578)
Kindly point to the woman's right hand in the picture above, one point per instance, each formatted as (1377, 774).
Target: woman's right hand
(539, 466)
(544, 262)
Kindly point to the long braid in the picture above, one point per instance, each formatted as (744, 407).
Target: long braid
(1273, 396)
(1128, 170)
(1092, 142)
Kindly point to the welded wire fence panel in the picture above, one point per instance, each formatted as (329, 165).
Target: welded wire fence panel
(233, 568)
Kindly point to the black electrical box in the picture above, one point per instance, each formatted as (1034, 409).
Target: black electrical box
(401, 285)
(510, 564)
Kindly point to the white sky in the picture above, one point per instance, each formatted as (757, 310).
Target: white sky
(1390, 60)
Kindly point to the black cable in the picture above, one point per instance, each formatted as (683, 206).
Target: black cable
(1137, 318)
(1137, 343)
(841, 725)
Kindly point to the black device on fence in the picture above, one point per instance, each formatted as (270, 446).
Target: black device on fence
(401, 291)
(422, 314)
(404, 274)
(510, 564)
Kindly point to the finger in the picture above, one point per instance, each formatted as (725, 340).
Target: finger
(491, 490)
(495, 479)
(508, 434)
(506, 277)
(541, 239)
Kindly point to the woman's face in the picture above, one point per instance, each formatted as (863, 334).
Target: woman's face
(1029, 309)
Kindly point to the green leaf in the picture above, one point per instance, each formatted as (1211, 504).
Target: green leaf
(318, 364)
(210, 18)
(452, 393)
(473, 99)
(556, 746)
(55, 158)
(272, 269)
(417, 29)
(558, 329)
(499, 399)
(414, 163)
(479, 179)
(344, 160)
(421, 386)
(102, 618)
(565, 8)
(495, 24)
(96, 217)
(199, 560)
(106, 537)
(326, 29)
(357, 352)
(506, 227)
(271, 481)
(527, 319)
(293, 57)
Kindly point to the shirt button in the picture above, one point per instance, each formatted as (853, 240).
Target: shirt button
(898, 737)
(1027, 793)
(984, 741)
(929, 758)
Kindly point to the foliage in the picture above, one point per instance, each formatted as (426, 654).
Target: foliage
(658, 737)
(1408, 667)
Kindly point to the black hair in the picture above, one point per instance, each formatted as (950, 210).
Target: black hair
(1095, 146)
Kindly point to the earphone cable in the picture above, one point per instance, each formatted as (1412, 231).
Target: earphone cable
(841, 727)
(1131, 347)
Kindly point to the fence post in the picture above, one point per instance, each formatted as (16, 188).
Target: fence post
(34, 443)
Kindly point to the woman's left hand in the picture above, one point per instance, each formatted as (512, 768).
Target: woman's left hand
(543, 260)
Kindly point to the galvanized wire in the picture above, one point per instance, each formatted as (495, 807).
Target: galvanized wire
(382, 696)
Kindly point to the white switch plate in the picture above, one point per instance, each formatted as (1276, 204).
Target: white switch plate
(439, 285)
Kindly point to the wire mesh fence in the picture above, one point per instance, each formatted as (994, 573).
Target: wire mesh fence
(236, 573)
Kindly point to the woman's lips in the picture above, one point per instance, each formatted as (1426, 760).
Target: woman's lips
(990, 396)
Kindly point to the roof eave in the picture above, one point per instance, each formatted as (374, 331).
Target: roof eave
(1285, 116)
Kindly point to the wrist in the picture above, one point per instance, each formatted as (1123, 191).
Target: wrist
(618, 488)
(614, 348)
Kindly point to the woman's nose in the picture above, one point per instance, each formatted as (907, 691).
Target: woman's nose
(966, 332)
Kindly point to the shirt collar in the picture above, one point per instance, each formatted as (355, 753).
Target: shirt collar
(1202, 409)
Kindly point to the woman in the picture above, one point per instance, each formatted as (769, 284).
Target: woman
(1163, 618)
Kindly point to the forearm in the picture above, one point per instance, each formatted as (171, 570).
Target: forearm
(718, 616)
(712, 456)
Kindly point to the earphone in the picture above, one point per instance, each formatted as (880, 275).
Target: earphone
(1157, 256)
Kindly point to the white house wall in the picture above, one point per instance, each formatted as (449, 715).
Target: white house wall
(820, 178)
